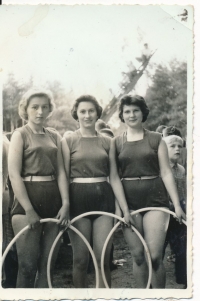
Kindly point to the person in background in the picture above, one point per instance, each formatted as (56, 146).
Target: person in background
(177, 233)
(9, 271)
(146, 177)
(37, 175)
(172, 130)
(160, 129)
(100, 124)
(67, 133)
(107, 132)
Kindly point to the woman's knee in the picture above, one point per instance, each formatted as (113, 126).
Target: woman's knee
(156, 261)
(138, 257)
(81, 262)
(27, 268)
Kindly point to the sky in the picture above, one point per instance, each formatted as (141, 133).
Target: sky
(87, 47)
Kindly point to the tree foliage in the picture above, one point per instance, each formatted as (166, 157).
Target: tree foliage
(167, 96)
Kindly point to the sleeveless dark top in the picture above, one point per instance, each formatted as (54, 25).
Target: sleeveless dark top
(138, 158)
(88, 155)
(39, 152)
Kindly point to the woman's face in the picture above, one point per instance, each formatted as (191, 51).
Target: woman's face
(132, 115)
(38, 109)
(87, 114)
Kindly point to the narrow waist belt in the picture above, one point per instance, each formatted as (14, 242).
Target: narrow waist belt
(89, 180)
(140, 178)
(38, 178)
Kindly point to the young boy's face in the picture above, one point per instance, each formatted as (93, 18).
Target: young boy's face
(174, 150)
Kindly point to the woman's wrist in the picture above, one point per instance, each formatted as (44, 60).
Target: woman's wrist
(65, 204)
(28, 209)
(125, 210)
(177, 206)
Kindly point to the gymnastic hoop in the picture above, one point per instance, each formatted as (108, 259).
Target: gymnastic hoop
(141, 238)
(45, 220)
(87, 244)
(104, 248)
(92, 254)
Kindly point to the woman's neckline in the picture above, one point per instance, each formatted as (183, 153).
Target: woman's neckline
(87, 137)
(44, 131)
(135, 141)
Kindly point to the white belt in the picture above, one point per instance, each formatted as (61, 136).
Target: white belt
(89, 180)
(38, 178)
(140, 178)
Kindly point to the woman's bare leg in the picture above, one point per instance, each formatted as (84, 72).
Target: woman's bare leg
(28, 248)
(155, 224)
(49, 233)
(80, 252)
(140, 270)
(101, 228)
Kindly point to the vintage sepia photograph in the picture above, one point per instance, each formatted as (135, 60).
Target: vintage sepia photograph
(97, 123)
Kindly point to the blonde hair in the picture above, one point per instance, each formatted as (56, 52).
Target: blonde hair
(170, 138)
(34, 92)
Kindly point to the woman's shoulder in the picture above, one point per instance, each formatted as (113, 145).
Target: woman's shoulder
(104, 141)
(119, 141)
(104, 138)
(153, 135)
(24, 131)
(73, 136)
(54, 134)
(72, 139)
(154, 139)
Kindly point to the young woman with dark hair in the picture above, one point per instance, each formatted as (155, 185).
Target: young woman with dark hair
(143, 160)
(86, 159)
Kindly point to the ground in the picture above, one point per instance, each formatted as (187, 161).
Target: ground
(121, 277)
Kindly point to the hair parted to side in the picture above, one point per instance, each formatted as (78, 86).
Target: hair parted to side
(135, 100)
(34, 92)
(86, 98)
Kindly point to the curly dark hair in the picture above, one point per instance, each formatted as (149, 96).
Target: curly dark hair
(86, 98)
(135, 100)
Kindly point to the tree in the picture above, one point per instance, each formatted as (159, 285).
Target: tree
(167, 96)
(126, 87)
(12, 93)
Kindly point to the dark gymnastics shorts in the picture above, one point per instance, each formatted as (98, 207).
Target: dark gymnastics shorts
(145, 193)
(45, 199)
(86, 197)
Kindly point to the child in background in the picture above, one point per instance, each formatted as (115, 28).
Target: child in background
(176, 235)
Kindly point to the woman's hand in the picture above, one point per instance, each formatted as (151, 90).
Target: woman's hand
(33, 219)
(63, 216)
(180, 214)
(128, 219)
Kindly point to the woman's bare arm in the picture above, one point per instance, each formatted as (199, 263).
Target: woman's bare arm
(63, 185)
(15, 161)
(117, 185)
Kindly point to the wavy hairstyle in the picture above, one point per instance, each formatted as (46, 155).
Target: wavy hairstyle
(135, 100)
(34, 92)
(86, 98)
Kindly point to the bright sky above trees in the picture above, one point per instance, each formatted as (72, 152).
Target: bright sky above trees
(86, 48)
